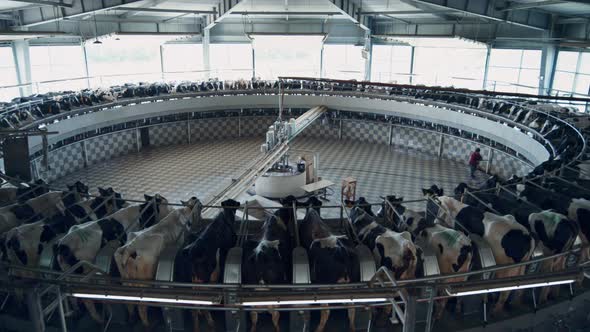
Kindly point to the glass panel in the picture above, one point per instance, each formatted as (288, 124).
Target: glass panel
(567, 61)
(7, 75)
(129, 61)
(343, 62)
(563, 81)
(505, 58)
(391, 64)
(585, 63)
(502, 79)
(183, 61)
(582, 84)
(231, 61)
(531, 59)
(530, 78)
(62, 63)
(293, 56)
(462, 67)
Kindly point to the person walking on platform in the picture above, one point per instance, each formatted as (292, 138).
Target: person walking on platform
(474, 161)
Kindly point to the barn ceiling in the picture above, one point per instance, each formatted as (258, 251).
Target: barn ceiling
(341, 20)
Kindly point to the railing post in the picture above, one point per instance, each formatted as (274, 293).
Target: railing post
(33, 298)
(410, 314)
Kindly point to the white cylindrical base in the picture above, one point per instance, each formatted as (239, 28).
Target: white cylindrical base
(279, 184)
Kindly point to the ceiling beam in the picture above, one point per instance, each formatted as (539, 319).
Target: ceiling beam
(249, 12)
(36, 16)
(406, 12)
(150, 3)
(224, 10)
(353, 12)
(537, 5)
(573, 20)
(483, 9)
(166, 10)
(47, 3)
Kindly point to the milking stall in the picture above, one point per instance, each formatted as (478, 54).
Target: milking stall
(294, 165)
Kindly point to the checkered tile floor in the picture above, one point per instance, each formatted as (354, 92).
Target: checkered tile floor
(204, 168)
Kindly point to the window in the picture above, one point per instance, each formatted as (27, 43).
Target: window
(231, 61)
(343, 62)
(514, 71)
(391, 64)
(7, 75)
(461, 67)
(50, 63)
(572, 73)
(124, 61)
(183, 61)
(287, 56)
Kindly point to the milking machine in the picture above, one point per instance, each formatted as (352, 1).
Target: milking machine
(483, 257)
(363, 317)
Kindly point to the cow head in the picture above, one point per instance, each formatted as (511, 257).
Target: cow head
(360, 218)
(313, 203)
(194, 207)
(74, 193)
(460, 189)
(162, 209)
(119, 202)
(398, 253)
(361, 203)
(434, 191)
(229, 209)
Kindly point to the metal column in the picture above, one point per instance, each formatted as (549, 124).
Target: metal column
(22, 61)
(206, 63)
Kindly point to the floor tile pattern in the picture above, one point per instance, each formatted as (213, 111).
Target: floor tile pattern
(205, 167)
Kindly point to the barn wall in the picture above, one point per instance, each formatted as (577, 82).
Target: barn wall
(365, 131)
(322, 130)
(61, 162)
(215, 128)
(168, 134)
(256, 125)
(416, 139)
(112, 145)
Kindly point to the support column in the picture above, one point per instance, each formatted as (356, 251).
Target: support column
(206, 62)
(440, 145)
(487, 67)
(162, 62)
(22, 60)
(86, 71)
(547, 71)
(390, 134)
(369, 59)
(489, 163)
(412, 66)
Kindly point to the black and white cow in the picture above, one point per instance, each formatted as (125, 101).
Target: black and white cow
(556, 234)
(576, 209)
(332, 257)
(510, 241)
(202, 261)
(83, 242)
(28, 191)
(268, 260)
(391, 249)
(138, 258)
(44, 206)
(26, 242)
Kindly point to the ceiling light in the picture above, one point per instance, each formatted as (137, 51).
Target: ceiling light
(509, 288)
(140, 299)
(97, 42)
(326, 301)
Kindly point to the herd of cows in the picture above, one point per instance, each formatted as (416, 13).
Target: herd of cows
(542, 212)
(539, 212)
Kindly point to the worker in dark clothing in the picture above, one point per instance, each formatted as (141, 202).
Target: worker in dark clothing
(474, 160)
